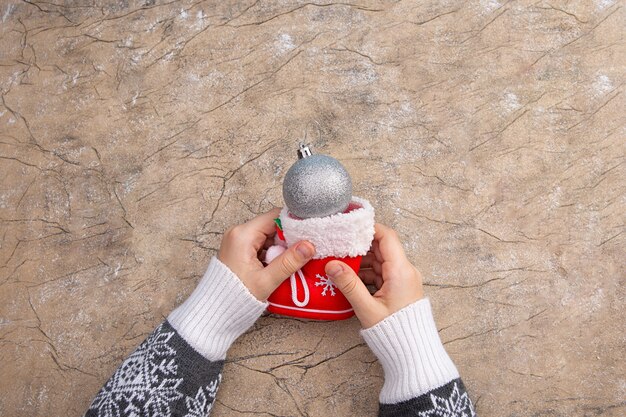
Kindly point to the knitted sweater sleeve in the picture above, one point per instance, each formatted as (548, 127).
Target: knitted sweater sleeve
(420, 378)
(177, 369)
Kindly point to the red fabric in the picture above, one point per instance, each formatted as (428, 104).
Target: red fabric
(279, 232)
(322, 305)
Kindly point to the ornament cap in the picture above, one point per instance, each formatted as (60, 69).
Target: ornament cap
(304, 151)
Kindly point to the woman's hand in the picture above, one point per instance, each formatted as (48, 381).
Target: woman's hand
(385, 266)
(243, 247)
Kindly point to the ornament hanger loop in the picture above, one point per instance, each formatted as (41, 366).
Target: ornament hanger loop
(319, 130)
(304, 150)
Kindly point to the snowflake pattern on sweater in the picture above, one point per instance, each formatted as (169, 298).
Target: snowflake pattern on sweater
(201, 404)
(456, 405)
(448, 400)
(166, 377)
(160, 378)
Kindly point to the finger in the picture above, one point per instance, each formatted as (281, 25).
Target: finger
(377, 267)
(353, 289)
(367, 276)
(376, 250)
(366, 261)
(370, 277)
(378, 281)
(260, 228)
(264, 223)
(389, 243)
(288, 263)
(370, 261)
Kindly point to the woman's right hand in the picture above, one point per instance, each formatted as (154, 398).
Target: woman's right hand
(385, 266)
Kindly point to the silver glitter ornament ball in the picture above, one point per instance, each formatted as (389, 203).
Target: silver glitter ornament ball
(316, 186)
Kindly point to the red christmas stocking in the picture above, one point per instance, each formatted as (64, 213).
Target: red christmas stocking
(346, 236)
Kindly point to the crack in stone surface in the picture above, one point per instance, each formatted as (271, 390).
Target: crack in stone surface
(489, 134)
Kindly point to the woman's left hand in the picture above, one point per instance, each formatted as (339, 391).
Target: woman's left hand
(243, 247)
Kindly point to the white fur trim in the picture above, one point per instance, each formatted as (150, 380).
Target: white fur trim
(340, 235)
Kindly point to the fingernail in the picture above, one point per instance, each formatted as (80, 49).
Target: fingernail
(334, 270)
(305, 249)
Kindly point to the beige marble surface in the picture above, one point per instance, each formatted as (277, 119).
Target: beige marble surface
(490, 133)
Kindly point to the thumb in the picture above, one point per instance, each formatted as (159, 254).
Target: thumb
(349, 283)
(288, 263)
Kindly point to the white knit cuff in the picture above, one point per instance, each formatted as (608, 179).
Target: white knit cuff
(218, 311)
(413, 358)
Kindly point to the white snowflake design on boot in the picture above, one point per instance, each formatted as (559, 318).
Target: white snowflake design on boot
(325, 282)
(457, 405)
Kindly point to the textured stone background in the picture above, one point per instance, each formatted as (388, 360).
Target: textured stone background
(491, 134)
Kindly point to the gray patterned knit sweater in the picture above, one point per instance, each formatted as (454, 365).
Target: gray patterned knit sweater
(177, 369)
